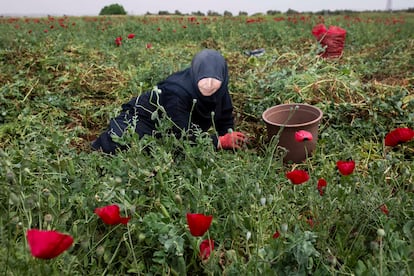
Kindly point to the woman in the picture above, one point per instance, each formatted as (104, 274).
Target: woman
(196, 97)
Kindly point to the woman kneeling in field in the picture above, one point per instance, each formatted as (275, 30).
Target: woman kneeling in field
(195, 97)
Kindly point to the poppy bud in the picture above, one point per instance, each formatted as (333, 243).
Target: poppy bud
(14, 199)
(97, 198)
(48, 218)
(270, 199)
(10, 176)
(248, 235)
(199, 172)
(381, 232)
(46, 192)
(284, 228)
(100, 250)
(332, 260)
(178, 199)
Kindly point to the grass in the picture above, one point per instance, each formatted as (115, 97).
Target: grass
(59, 88)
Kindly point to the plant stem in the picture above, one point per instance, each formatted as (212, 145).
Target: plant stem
(380, 256)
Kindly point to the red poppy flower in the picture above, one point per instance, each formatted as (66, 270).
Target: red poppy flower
(131, 36)
(345, 167)
(398, 136)
(321, 186)
(118, 41)
(198, 223)
(276, 235)
(384, 209)
(110, 215)
(310, 222)
(206, 247)
(46, 244)
(303, 135)
(297, 176)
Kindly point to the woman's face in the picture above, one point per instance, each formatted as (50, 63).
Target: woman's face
(208, 86)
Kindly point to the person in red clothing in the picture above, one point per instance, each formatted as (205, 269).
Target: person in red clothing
(194, 98)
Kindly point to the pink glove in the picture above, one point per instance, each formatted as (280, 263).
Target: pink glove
(232, 140)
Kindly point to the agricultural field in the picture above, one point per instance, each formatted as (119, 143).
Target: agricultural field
(63, 78)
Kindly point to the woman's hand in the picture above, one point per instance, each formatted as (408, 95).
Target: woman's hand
(231, 140)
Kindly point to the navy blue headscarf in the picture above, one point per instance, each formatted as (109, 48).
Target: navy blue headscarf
(205, 64)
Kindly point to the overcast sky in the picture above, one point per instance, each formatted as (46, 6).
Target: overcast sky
(137, 7)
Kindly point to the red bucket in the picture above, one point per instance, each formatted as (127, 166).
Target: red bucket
(332, 39)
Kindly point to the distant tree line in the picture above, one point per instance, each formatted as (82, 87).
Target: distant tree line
(197, 13)
(276, 12)
(117, 9)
